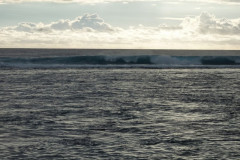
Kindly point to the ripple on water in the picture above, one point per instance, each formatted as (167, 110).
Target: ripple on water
(119, 114)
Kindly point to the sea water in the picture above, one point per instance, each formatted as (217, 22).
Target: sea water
(119, 107)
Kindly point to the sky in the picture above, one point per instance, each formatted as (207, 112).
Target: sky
(120, 24)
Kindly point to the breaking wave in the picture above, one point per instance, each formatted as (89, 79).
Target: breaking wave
(142, 61)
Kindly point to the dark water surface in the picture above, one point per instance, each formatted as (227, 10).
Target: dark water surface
(119, 113)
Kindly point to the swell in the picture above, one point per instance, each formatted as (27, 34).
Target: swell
(151, 61)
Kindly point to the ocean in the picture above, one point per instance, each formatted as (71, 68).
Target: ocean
(119, 104)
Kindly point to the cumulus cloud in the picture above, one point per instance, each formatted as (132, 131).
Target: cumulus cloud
(90, 31)
(30, 27)
(91, 21)
(61, 25)
(207, 23)
(87, 22)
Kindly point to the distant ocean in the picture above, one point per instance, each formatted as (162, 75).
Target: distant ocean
(55, 58)
(119, 104)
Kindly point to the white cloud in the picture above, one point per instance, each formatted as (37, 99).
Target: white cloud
(124, 1)
(70, 1)
(30, 27)
(90, 31)
(87, 22)
(208, 24)
(91, 21)
(61, 25)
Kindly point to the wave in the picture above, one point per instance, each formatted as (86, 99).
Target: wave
(141, 61)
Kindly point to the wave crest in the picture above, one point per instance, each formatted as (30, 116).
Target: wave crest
(142, 60)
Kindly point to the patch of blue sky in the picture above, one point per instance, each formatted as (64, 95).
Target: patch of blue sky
(115, 13)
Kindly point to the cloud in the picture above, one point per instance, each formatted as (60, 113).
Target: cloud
(30, 27)
(208, 24)
(87, 22)
(213, 1)
(90, 21)
(90, 31)
(124, 1)
(61, 25)
(71, 1)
